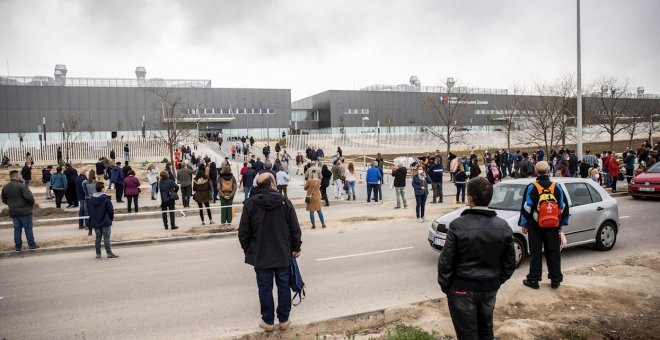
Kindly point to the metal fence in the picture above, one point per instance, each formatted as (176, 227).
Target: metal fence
(84, 151)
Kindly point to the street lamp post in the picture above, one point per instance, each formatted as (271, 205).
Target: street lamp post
(364, 150)
(44, 129)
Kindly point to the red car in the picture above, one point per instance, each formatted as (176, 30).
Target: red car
(646, 184)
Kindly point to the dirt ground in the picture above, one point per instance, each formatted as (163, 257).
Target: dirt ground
(616, 299)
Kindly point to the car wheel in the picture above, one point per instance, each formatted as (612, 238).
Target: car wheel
(606, 236)
(520, 249)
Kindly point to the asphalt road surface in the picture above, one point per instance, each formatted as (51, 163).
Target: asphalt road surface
(204, 290)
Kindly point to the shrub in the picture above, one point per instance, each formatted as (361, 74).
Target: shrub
(406, 332)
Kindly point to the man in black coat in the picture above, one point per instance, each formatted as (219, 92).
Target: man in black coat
(270, 235)
(478, 257)
(20, 201)
(70, 193)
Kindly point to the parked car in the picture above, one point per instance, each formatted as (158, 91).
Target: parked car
(594, 215)
(646, 184)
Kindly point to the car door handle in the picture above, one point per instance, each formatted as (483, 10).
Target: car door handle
(599, 209)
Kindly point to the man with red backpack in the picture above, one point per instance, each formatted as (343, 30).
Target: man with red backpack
(543, 213)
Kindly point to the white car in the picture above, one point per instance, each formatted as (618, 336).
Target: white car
(594, 214)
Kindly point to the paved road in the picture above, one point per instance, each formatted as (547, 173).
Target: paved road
(203, 290)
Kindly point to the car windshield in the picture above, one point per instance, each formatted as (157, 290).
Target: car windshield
(507, 196)
(655, 168)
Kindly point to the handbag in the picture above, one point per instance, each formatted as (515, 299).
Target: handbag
(296, 282)
(174, 195)
(308, 199)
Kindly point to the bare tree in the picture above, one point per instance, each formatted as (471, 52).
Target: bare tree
(610, 110)
(166, 106)
(544, 115)
(71, 124)
(508, 117)
(448, 110)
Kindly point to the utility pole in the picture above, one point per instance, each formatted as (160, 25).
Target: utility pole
(579, 87)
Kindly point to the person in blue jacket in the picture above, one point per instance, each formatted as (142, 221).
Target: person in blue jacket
(101, 215)
(374, 179)
(420, 184)
(117, 178)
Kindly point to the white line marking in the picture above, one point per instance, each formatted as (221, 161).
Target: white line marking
(363, 254)
(624, 216)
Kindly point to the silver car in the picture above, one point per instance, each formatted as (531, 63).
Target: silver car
(594, 214)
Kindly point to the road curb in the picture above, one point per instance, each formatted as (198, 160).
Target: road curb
(55, 250)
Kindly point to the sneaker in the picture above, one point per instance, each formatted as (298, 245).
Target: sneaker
(368, 203)
(531, 284)
(112, 256)
(203, 223)
(284, 325)
(98, 257)
(174, 228)
(18, 251)
(35, 247)
(397, 207)
(323, 226)
(211, 222)
(555, 284)
(420, 220)
(266, 327)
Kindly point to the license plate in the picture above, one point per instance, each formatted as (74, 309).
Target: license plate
(439, 242)
(647, 189)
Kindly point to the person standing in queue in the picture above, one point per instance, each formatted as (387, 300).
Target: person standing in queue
(477, 258)
(168, 188)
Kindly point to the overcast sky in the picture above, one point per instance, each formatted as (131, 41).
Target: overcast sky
(312, 46)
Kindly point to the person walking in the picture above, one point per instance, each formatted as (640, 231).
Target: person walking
(493, 173)
(213, 177)
(313, 198)
(373, 178)
(435, 171)
(71, 193)
(420, 184)
(477, 258)
(228, 186)
(152, 178)
(475, 169)
(460, 180)
(202, 189)
(282, 181)
(132, 190)
(400, 174)
(613, 166)
(89, 189)
(60, 161)
(45, 179)
(184, 177)
(247, 179)
(270, 236)
(26, 173)
(101, 215)
(82, 200)
(127, 154)
(117, 178)
(543, 212)
(59, 185)
(18, 197)
(336, 179)
(168, 188)
(350, 179)
(326, 175)
(113, 155)
(629, 161)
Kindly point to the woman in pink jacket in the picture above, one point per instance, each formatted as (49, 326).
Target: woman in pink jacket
(132, 190)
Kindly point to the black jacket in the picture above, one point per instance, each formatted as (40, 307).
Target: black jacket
(26, 173)
(101, 212)
(167, 185)
(478, 254)
(71, 175)
(269, 230)
(400, 177)
(18, 197)
(45, 175)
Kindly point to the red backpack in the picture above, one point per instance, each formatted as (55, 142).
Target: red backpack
(548, 206)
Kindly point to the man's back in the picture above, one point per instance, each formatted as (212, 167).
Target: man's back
(18, 198)
(269, 231)
(482, 241)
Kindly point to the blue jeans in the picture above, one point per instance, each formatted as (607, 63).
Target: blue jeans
(421, 202)
(82, 212)
(27, 182)
(265, 284)
(311, 217)
(105, 232)
(20, 223)
(351, 188)
(247, 192)
(154, 189)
